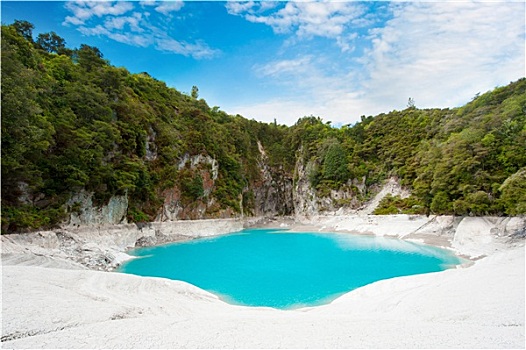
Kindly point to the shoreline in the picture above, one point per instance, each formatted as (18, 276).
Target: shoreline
(472, 307)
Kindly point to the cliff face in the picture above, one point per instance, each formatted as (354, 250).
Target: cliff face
(304, 196)
(308, 201)
(273, 194)
(277, 193)
(176, 206)
(84, 212)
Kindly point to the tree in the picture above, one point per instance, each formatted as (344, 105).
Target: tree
(26, 132)
(89, 57)
(24, 28)
(195, 92)
(51, 42)
(513, 195)
(441, 203)
(72, 122)
(335, 166)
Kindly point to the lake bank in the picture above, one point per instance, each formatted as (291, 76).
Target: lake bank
(476, 307)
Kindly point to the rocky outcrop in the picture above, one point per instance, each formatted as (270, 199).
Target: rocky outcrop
(103, 247)
(150, 146)
(83, 212)
(304, 196)
(477, 236)
(470, 236)
(310, 202)
(391, 187)
(195, 161)
(273, 194)
(175, 208)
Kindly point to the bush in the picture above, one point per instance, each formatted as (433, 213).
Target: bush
(479, 203)
(28, 217)
(136, 215)
(513, 193)
(386, 210)
(396, 205)
(441, 203)
(191, 185)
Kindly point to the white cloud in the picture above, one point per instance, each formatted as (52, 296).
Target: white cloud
(119, 23)
(84, 10)
(116, 20)
(252, 7)
(166, 7)
(148, 3)
(196, 50)
(73, 20)
(239, 7)
(340, 108)
(305, 19)
(279, 67)
(440, 54)
(130, 39)
(313, 92)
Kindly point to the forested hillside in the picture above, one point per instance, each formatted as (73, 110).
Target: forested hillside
(72, 122)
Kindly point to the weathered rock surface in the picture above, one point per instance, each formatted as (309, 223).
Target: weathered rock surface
(103, 247)
(470, 236)
(273, 195)
(174, 208)
(481, 306)
(84, 212)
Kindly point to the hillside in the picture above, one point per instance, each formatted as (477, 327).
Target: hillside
(79, 133)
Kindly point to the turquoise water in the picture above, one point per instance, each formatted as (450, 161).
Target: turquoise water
(280, 269)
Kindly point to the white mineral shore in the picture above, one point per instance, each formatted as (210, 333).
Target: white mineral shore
(48, 301)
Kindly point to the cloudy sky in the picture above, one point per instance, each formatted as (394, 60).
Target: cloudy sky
(284, 60)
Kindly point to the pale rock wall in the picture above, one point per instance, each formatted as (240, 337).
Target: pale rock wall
(114, 212)
(83, 212)
(478, 236)
(273, 195)
(304, 196)
(470, 236)
(307, 202)
(200, 159)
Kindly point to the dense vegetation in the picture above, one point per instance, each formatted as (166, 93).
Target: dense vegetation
(71, 121)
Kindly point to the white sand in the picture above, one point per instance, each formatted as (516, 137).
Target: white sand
(481, 306)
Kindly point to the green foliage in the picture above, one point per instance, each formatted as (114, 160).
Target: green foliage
(136, 215)
(396, 205)
(89, 58)
(71, 121)
(51, 42)
(191, 185)
(513, 197)
(24, 218)
(441, 203)
(24, 28)
(335, 165)
(195, 92)
(479, 203)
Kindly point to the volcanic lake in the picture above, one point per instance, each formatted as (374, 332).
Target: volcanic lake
(285, 270)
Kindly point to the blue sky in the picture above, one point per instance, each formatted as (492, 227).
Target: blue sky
(285, 60)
